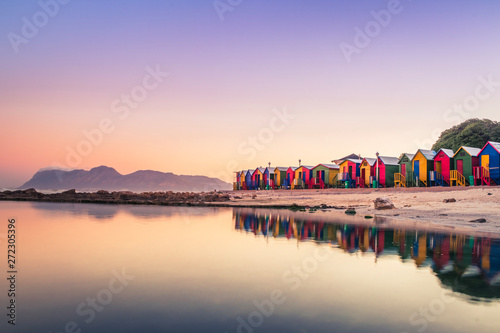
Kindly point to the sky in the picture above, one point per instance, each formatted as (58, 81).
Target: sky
(210, 87)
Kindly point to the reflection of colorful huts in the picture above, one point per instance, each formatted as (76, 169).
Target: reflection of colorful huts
(422, 164)
(290, 176)
(324, 175)
(367, 172)
(258, 179)
(488, 173)
(405, 175)
(302, 176)
(279, 176)
(464, 162)
(419, 250)
(349, 172)
(443, 164)
(387, 167)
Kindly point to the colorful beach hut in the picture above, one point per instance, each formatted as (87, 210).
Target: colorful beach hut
(464, 162)
(279, 176)
(324, 175)
(387, 167)
(237, 180)
(405, 176)
(367, 172)
(422, 164)
(268, 178)
(290, 176)
(258, 179)
(488, 173)
(248, 179)
(303, 174)
(443, 164)
(349, 172)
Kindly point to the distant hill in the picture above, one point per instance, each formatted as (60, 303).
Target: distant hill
(471, 133)
(106, 178)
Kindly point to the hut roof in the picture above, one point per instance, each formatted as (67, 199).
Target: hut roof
(352, 156)
(410, 156)
(370, 160)
(474, 152)
(428, 154)
(389, 160)
(281, 168)
(329, 166)
(495, 145)
(448, 152)
(353, 160)
(262, 170)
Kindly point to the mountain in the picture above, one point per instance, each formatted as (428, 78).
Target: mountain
(106, 178)
(471, 133)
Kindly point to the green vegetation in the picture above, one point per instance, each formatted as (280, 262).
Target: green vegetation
(471, 133)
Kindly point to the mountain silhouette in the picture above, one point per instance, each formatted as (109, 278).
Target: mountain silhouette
(106, 178)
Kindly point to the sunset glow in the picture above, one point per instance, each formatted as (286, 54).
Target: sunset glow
(64, 91)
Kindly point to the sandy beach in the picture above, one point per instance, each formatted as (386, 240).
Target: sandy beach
(413, 205)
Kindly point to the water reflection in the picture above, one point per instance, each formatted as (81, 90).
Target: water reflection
(466, 264)
(105, 212)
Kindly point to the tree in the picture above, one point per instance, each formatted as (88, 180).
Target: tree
(472, 133)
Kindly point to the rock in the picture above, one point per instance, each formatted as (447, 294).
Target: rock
(30, 192)
(383, 203)
(237, 197)
(479, 221)
(443, 214)
(350, 211)
(72, 191)
(449, 200)
(490, 193)
(368, 217)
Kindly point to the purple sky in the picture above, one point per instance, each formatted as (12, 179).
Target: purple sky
(215, 111)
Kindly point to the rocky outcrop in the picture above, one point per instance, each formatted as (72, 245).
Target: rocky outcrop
(120, 197)
(383, 203)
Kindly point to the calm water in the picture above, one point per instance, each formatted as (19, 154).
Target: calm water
(98, 268)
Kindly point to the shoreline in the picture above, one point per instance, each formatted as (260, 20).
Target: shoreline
(413, 206)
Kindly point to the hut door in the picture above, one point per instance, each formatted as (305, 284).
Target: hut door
(403, 169)
(460, 167)
(439, 166)
(485, 162)
(363, 175)
(416, 168)
(350, 171)
(323, 175)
